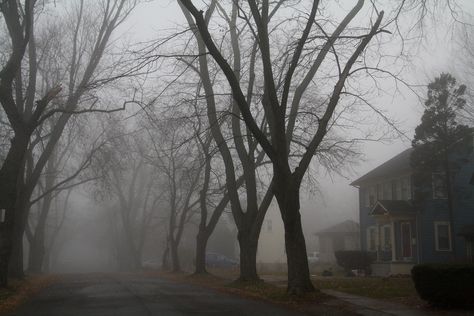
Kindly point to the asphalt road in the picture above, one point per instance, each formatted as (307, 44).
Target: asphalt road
(130, 295)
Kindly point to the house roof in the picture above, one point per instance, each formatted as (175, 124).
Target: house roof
(392, 207)
(348, 226)
(396, 165)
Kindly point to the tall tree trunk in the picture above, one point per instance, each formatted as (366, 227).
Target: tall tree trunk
(175, 256)
(46, 267)
(37, 246)
(16, 268)
(248, 243)
(201, 246)
(36, 255)
(165, 263)
(5, 248)
(9, 176)
(287, 195)
(15, 265)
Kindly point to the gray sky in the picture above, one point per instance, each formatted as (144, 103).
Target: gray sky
(339, 199)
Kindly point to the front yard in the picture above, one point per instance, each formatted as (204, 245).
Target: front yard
(20, 290)
(395, 289)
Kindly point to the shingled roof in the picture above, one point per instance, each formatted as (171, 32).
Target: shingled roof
(398, 164)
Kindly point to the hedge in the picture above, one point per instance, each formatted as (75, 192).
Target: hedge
(354, 260)
(445, 285)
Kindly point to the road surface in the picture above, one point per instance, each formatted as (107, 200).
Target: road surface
(135, 295)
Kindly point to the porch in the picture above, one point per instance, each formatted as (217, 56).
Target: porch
(393, 239)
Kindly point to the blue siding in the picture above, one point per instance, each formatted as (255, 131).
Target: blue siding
(430, 212)
(437, 210)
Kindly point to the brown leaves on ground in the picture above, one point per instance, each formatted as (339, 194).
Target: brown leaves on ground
(315, 303)
(395, 289)
(20, 290)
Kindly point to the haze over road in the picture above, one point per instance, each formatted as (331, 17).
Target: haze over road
(135, 295)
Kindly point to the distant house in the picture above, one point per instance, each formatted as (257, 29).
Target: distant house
(342, 236)
(400, 234)
(271, 243)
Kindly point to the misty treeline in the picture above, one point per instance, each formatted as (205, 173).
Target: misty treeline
(234, 111)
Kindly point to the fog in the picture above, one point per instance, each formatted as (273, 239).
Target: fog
(145, 155)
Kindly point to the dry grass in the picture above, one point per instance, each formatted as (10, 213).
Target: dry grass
(395, 289)
(249, 289)
(273, 293)
(19, 291)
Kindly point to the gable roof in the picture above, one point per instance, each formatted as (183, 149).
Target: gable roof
(348, 226)
(392, 207)
(399, 163)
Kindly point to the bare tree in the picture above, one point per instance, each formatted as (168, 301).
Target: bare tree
(24, 115)
(282, 98)
(132, 188)
(177, 158)
(248, 215)
(74, 64)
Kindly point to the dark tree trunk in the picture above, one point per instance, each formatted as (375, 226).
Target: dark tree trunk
(134, 256)
(9, 176)
(201, 246)
(287, 195)
(36, 254)
(165, 263)
(175, 257)
(37, 246)
(248, 244)
(5, 249)
(16, 268)
(128, 258)
(46, 262)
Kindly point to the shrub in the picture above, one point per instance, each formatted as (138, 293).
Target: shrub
(354, 260)
(445, 285)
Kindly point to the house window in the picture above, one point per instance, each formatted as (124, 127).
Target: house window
(370, 196)
(442, 236)
(405, 188)
(387, 237)
(387, 191)
(440, 189)
(379, 191)
(372, 238)
(396, 190)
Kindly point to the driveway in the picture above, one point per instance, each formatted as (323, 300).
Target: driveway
(130, 295)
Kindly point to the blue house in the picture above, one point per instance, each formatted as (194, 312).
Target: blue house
(400, 233)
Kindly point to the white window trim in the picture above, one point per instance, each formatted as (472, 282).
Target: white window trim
(408, 188)
(389, 226)
(369, 229)
(371, 190)
(436, 224)
(469, 249)
(402, 240)
(433, 187)
(387, 190)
